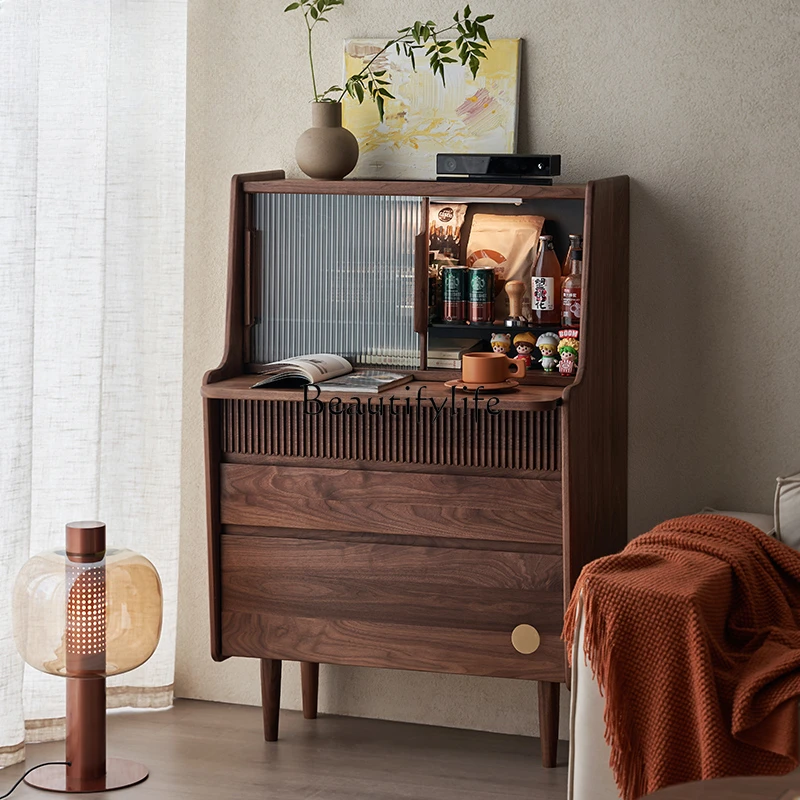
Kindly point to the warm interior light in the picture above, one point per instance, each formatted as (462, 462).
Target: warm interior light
(108, 613)
(85, 613)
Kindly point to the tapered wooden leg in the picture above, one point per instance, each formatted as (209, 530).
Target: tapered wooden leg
(548, 721)
(271, 696)
(309, 676)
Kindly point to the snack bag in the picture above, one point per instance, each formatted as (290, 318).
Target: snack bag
(444, 222)
(507, 243)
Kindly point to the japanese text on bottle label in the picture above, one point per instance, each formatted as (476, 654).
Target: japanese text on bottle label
(543, 294)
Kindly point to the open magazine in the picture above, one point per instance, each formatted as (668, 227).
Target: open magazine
(302, 370)
(333, 373)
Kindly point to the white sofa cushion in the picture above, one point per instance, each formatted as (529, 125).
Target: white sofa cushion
(763, 522)
(787, 510)
(590, 776)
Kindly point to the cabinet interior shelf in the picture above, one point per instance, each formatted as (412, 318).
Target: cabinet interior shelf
(455, 330)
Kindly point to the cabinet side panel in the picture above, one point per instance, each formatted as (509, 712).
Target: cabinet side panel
(233, 356)
(212, 426)
(595, 413)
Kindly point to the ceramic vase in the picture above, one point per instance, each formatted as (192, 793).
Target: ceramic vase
(327, 151)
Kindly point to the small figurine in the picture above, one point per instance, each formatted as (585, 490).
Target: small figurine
(568, 349)
(501, 342)
(548, 347)
(524, 343)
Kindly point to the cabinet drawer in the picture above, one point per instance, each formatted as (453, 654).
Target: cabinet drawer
(395, 606)
(361, 501)
(513, 440)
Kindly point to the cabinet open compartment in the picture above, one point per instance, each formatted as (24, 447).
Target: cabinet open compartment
(345, 269)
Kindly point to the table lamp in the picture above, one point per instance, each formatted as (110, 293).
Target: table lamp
(85, 613)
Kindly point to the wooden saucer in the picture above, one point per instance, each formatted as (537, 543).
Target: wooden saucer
(504, 386)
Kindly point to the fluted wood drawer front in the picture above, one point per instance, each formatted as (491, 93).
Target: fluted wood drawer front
(467, 507)
(511, 439)
(395, 606)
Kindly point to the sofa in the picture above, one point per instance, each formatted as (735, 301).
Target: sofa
(590, 776)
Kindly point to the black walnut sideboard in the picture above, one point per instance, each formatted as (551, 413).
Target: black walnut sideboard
(405, 540)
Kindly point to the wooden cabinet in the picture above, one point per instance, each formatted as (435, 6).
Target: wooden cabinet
(418, 539)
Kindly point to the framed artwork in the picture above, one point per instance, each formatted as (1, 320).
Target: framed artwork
(467, 115)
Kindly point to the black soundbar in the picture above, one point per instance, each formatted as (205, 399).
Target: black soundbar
(498, 168)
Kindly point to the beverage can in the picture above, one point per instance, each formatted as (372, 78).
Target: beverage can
(481, 294)
(454, 294)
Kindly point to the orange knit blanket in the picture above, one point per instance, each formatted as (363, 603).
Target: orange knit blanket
(693, 633)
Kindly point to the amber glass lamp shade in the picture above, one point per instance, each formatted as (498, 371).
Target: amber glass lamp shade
(85, 613)
(95, 618)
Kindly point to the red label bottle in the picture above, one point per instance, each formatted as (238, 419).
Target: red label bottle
(571, 292)
(546, 285)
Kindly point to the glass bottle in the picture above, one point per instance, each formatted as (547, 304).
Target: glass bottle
(571, 291)
(546, 285)
(575, 242)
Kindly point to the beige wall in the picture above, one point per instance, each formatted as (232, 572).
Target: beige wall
(698, 103)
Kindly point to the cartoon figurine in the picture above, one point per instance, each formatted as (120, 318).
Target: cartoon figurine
(548, 346)
(501, 342)
(524, 342)
(568, 350)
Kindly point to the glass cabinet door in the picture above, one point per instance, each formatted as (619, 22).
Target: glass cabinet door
(334, 274)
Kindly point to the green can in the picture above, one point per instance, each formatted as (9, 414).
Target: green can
(454, 291)
(481, 294)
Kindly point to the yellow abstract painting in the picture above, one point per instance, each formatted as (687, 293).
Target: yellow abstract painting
(467, 115)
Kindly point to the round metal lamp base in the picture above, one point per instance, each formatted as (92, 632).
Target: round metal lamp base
(119, 773)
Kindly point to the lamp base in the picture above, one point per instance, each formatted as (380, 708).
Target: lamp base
(119, 773)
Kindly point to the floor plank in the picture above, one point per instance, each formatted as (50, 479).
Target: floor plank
(211, 750)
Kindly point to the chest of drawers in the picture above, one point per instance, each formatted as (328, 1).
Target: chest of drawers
(442, 542)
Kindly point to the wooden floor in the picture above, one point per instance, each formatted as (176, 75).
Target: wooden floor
(209, 750)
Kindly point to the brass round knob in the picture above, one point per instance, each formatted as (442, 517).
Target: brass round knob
(525, 639)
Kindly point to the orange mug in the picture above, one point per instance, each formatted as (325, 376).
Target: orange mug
(490, 368)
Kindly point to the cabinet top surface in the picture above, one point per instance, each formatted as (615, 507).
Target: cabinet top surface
(523, 398)
(449, 189)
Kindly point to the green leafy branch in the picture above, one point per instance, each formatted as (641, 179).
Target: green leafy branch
(468, 48)
(313, 13)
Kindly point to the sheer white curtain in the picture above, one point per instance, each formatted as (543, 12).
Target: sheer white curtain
(92, 106)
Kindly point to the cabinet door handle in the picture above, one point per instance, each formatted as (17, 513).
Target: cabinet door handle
(421, 277)
(525, 639)
(248, 278)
